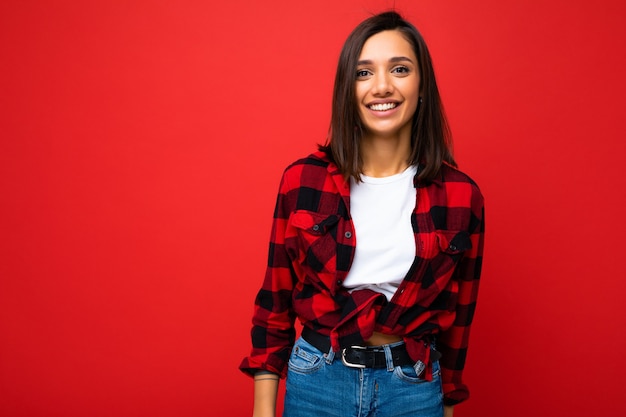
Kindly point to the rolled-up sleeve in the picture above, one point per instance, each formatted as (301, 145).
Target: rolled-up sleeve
(273, 332)
(453, 343)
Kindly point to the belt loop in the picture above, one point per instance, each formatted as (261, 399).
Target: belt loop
(330, 356)
(388, 357)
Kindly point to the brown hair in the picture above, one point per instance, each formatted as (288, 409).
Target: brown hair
(431, 141)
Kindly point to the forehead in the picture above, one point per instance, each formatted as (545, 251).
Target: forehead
(387, 44)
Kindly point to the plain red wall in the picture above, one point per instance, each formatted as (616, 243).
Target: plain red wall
(142, 144)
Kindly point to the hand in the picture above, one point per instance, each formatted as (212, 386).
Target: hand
(448, 410)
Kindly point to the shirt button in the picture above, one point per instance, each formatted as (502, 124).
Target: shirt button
(339, 282)
(348, 235)
(316, 227)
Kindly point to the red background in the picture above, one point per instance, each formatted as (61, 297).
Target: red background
(142, 144)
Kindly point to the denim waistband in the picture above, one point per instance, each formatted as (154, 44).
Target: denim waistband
(322, 343)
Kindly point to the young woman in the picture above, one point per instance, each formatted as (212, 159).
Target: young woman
(376, 248)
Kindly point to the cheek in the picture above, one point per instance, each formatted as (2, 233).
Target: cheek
(412, 93)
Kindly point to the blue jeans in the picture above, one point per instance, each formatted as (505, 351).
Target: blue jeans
(320, 385)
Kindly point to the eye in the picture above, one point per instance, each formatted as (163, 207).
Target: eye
(401, 70)
(362, 73)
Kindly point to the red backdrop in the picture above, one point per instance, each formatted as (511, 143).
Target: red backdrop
(142, 144)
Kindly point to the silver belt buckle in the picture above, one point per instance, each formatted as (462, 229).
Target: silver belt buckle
(349, 364)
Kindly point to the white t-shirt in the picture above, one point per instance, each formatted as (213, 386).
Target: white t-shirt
(381, 210)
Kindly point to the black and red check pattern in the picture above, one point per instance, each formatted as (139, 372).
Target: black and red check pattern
(311, 249)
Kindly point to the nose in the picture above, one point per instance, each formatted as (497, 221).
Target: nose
(382, 84)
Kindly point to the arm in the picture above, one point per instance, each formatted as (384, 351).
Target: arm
(265, 391)
(448, 410)
(453, 342)
(273, 331)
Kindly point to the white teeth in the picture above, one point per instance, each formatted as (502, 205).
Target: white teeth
(383, 107)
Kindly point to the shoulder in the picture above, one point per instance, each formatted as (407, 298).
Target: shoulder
(310, 183)
(459, 185)
(318, 159)
(449, 173)
(315, 165)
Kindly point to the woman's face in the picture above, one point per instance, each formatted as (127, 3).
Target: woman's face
(387, 84)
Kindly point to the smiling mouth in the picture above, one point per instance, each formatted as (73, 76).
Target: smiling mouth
(383, 106)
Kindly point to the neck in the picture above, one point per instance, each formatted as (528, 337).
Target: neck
(383, 157)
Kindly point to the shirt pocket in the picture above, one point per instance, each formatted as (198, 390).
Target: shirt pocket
(315, 244)
(451, 246)
(313, 223)
(453, 242)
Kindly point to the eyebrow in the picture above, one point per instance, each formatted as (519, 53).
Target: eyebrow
(392, 60)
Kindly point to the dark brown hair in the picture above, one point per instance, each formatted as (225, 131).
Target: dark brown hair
(431, 141)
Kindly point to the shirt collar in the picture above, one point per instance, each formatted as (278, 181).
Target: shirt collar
(344, 186)
(438, 180)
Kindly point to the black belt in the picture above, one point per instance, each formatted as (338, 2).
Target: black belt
(360, 356)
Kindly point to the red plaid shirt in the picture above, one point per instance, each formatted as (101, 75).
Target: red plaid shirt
(312, 246)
